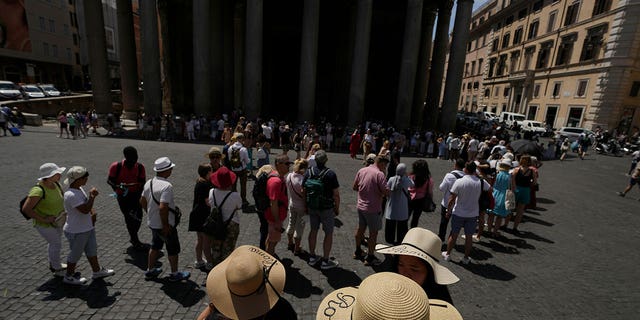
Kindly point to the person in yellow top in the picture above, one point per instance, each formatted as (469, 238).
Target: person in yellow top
(45, 205)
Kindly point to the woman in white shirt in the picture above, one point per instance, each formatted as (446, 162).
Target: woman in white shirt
(297, 205)
(228, 202)
(79, 228)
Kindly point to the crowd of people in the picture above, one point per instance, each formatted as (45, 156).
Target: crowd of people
(486, 193)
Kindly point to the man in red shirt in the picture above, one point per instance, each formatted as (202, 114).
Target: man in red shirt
(277, 193)
(127, 177)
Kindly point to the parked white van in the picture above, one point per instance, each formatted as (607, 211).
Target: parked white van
(533, 126)
(510, 118)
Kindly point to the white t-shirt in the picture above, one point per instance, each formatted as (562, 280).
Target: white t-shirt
(467, 190)
(266, 130)
(294, 190)
(163, 192)
(233, 203)
(221, 125)
(473, 145)
(77, 222)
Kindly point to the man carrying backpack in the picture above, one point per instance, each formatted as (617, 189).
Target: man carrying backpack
(238, 159)
(127, 177)
(445, 187)
(322, 192)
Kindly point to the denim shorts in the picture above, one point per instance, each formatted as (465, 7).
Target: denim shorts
(81, 242)
(468, 224)
(158, 240)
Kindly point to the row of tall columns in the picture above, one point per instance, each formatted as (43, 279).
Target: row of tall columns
(360, 61)
(128, 61)
(100, 83)
(457, 55)
(434, 89)
(150, 56)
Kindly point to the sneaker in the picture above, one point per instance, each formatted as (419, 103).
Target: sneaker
(465, 260)
(199, 264)
(178, 276)
(59, 273)
(372, 261)
(104, 272)
(359, 255)
(446, 256)
(75, 280)
(621, 194)
(313, 260)
(153, 273)
(328, 264)
(475, 238)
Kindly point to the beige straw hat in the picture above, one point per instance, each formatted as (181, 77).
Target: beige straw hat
(247, 284)
(426, 245)
(384, 295)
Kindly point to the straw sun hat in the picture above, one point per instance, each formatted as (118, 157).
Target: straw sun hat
(247, 284)
(384, 295)
(426, 245)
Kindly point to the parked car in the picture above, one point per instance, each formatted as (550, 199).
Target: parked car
(573, 133)
(9, 91)
(511, 119)
(31, 91)
(489, 115)
(536, 127)
(49, 90)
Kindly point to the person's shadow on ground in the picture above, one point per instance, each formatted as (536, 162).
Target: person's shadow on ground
(96, 294)
(187, 293)
(297, 284)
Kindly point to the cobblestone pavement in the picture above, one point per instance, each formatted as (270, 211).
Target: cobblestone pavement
(577, 257)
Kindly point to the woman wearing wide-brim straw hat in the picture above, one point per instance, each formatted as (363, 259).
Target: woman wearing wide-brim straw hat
(44, 204)
(388, 296)
(417, 258)
(247, 285)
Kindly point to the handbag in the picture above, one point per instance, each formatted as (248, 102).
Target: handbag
(214, 225)
(177, 213)
(510, 200)
(485, 201)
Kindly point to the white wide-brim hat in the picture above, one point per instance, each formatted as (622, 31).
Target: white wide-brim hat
(49, 170)
(426, 245)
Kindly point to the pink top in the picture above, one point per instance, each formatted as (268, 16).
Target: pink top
(421, 192)
(371, 186)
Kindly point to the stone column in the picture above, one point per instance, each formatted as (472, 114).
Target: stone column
(239, 23)
(100, 82)
(360, 62)
(455, 68)
(438, 59)
(308, 60)
(150, 57)
(408, 63)
(228, 54)
(128, 62)
(253, 59)
(420, 89)
(217, 55)
(523, 99)
(201, 56)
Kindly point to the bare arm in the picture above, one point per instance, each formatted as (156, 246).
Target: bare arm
(87, 206)
(28, 209)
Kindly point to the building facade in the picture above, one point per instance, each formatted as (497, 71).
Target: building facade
(564, 62)
(39, 42)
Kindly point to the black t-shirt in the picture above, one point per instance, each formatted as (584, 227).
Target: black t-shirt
(330, 179)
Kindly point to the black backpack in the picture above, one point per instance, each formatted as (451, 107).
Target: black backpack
(215, 226)
(259, 192)
(27, 217)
